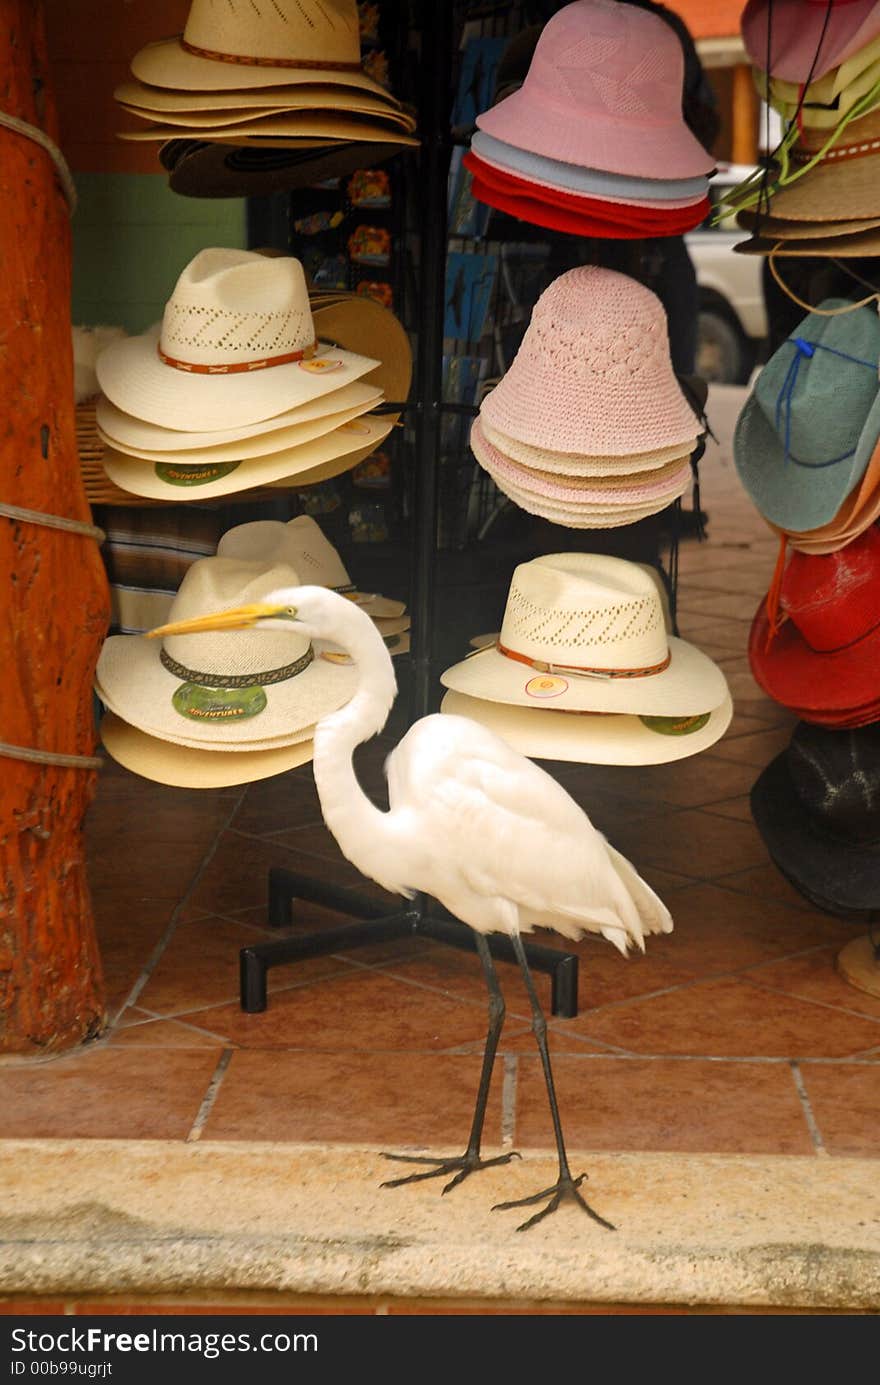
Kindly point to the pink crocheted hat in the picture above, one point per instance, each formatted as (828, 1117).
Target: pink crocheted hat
(806, 38)
(603, 91)
(593, 373)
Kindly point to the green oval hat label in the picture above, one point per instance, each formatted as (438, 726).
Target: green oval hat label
(676, 726)
(193, 475)
(218, 704)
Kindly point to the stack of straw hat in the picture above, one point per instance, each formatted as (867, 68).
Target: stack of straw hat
(253, 98)
(589, 427)
(243, 386)
(818, 64)
(585, 669)
(594, 142)
(226, 707)
(807, 449)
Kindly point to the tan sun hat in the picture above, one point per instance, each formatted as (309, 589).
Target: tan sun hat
(240, 44)
(275, 129)
(236, 345)
(245, 688)
(845, 184)
(359, 324)
(585, 632)
(156, 102)
(263, 444)
(187, 768)
(302, 543)
(341, 448)
(595, 739)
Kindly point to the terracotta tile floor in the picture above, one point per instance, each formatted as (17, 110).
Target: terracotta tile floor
(733, 1035)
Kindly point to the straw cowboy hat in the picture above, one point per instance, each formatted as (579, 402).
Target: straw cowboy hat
(817, 807)
(595, 740)
(807, 432)
(335, 451)
(302, 543)
(586, 633)
(603, 90)
(225, 689)
(593, 373)
(804, 39)
(220, 107)
(236, 345)
(842, 185)
(277, 128)
(189, 768)
(247, 44)
(825, 656)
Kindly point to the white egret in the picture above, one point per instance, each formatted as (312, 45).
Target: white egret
(473, 824)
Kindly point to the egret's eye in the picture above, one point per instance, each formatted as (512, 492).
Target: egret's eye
(290, 611)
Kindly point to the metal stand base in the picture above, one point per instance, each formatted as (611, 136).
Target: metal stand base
(377, 926)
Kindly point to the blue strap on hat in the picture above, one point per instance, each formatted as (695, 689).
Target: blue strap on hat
(804, 351)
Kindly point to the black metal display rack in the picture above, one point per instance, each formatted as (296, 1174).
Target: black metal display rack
(425, 409)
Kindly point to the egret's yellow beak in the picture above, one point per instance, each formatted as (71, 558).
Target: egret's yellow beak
(238, 618)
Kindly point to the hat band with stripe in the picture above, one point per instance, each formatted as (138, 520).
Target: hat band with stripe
(238, 367)
(227, 680)
(313, 64)
(577, 670)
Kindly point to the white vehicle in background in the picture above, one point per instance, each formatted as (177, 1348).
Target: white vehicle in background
(733, 318)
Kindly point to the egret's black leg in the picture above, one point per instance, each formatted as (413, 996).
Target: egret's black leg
(566, 1186)
(470, 1160)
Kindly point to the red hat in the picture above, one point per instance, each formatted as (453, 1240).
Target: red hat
(824, 660)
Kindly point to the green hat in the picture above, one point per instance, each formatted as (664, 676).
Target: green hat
(812, 421)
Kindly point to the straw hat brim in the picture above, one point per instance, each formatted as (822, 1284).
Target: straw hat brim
(571, 464)
(200, 168)
(775, 228)
(341, 448)
(857, 246)
(689, 686)
(140, 690)
(264, 444)
(305, 733)
(836, 874)
(258, 120)
(186, 768)
(150, 441)
(594, 740)
(586, 517)
(327, 471)
(794, 497)
(132, 374)
(166, 63)
(296, 125)
(833, 190)
(357, 323)
(315, 95)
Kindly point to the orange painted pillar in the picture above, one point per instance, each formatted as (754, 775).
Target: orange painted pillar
(744, 138)
(54, 605)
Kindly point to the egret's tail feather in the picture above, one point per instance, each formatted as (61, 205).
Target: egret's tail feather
(653, 913)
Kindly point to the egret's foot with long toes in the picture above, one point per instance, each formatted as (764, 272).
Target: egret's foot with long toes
(461, 1167)
(566, 1187)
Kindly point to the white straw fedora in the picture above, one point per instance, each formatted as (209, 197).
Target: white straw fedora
(186, 768)
(236, 345)
(174, 480)
(595, 739)
(254, 43)
(156, 102)
(231, 749)
(302, 543)
(225, 687)
(585, 632)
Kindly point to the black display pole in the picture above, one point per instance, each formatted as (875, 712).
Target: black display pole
(422, 917)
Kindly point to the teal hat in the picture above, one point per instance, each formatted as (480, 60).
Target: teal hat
(807, 431)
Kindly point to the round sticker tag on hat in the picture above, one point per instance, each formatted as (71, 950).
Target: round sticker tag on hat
(218, 704)
(676, 726)
(546, 686)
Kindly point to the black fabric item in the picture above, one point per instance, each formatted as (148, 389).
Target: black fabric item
(202, 168)
(817, 808)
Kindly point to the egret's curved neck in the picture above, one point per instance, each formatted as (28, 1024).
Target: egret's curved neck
(356, 823)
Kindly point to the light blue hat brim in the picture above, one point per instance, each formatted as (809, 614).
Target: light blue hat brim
(803, 494)
(573, 178)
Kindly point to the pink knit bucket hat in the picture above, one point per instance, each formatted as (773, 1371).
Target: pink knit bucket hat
(604, 91)
(593, 373)
(798, 28)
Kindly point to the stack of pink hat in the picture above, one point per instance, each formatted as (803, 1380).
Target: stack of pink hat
(594, 141)
(589, 428)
